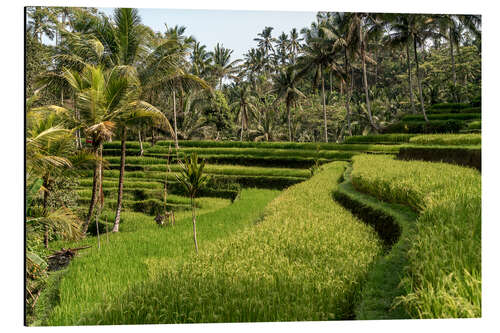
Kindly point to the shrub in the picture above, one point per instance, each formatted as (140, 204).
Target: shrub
(447, 139)
(443, 277)
(476, 101)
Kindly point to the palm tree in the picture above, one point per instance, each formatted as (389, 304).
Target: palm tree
(362, 26)
(192, 180)
(285, 87)
(244, 104)
(222, 65)
(294, 45)
(103, 99)
(400, 35)
(282, 47)
(318, 56)
(265, 40)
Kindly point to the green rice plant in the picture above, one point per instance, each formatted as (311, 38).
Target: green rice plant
(474, 125)
(447, 139)
(381, 138)
(443, 277)
(273, 145)
(97, 277)
(128, 144)
(443, 116)
(305, 260)
(255, 152)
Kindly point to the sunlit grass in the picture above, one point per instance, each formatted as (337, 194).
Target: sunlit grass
(98, 275)
(443, 279)
(306, 260)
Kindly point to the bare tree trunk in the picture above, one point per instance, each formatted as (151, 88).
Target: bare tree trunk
(348, 92)
(418, 80)
(409, 78)
(243, 111)
(116, 225)
(365, 82)
(289, 121)
(193, 209)
(324, 105)
(140, 144)
(453, 70)
(94, 192)
(175, 124)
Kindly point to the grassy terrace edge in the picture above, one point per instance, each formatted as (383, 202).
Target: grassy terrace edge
(443, 278)
(394, 224)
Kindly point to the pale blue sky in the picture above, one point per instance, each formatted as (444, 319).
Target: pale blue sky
(235, 29)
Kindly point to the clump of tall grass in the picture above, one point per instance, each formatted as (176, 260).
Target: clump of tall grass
(447, 139)
(443, 278)
(306, 260)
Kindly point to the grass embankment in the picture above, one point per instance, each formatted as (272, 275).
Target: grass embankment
(443, 277)
(311, 146)
(379, 139)
(97, 277)
(395, 224)
(306, 260)
(447, 139)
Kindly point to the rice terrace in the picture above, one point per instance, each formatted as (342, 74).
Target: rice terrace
(331, 171)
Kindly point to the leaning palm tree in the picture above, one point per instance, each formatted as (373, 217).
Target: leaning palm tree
(192, 180)
(285, 87)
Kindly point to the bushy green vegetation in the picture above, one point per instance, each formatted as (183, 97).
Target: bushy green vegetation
(443, 277)
(469, 110)
(474, 125)
(469, 156)
(450, 106)
(447, 139)
(112, 270)
(306, 260)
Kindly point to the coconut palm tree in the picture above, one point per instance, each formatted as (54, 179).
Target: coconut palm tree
(265, 40)
(294, 45)
(285, 87)
(400, 35)
(245, 104)
(222, 66)
(319, 55)
(192, 179)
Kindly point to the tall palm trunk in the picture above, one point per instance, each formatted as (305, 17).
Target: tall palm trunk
(193, 209)
(116, 225)
(365, 81)
(242, 122)
(45, 185)
(95, 182)
(418, 80)
(140, 144)
(348, 92)
(453, 70)
(412, 102)
(324, 105)
(289, 121)
(175, 124)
